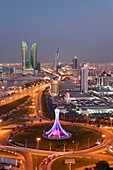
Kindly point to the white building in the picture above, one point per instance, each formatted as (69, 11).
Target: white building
(100, 81)
(84, 79)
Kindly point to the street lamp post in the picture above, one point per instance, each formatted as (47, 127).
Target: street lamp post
(37, 140)
(73, 142)
(39, 112)
(103, 137)
(88, 142)
(0, 122)
(3, 87)
(76, 145)
(87, 116)
(64, 116)
(50, 144)
(37, 147)
(64, 143)
(26, 141)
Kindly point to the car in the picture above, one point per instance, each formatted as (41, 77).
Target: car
(43, 162)
(98, 143)
(47, 161)
(50, 157)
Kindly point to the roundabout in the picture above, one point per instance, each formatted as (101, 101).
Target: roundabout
(81, 143)
(82, 138)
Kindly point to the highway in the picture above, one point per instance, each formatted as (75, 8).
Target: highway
(22, 93)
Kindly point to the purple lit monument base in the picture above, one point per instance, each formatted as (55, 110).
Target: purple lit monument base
(57, 132)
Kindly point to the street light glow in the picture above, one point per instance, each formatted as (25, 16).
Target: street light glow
(0, 120)
(103, 136)
(38, 139)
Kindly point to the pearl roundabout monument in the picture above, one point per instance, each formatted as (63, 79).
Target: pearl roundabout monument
(57, 132)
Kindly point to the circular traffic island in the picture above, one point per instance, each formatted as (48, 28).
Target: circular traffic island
(81, 138)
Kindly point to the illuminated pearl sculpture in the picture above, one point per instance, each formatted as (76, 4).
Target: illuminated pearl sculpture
(57, 132)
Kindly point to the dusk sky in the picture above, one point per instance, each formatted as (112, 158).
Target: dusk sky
(81, 27)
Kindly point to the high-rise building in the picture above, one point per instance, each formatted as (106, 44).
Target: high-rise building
(75, 63)
(33, 58)
(29, 64)
(54, 89)
(101, 81)
(84, 79)
(24, 54)
(25, 58)
(56, 60)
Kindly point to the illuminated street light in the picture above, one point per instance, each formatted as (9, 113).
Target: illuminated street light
(33, 103)
(37, 140)
(73, 142)
(87, 117)
(103, 137)
(0, 122)
(64, 114)
(3, 87)
(39, 112)
(37, 147)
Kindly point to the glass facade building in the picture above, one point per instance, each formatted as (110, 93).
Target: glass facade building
(33, 58)
(29, 63)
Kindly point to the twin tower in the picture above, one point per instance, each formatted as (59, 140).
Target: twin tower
(30, 64)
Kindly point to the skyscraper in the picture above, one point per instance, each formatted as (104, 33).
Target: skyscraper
(25, 58)
(24, 54)
(33, 58)
(56, 60)
(84, 79)
(75, 62)
(29, 64)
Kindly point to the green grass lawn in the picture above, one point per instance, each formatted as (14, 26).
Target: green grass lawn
(79, 162)
(82, 137)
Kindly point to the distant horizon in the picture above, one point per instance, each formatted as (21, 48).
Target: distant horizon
(109, 62)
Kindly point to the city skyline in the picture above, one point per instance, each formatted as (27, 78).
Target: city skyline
(81, 28)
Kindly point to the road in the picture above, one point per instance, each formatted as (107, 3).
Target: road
(26, 152)
(22, 93)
